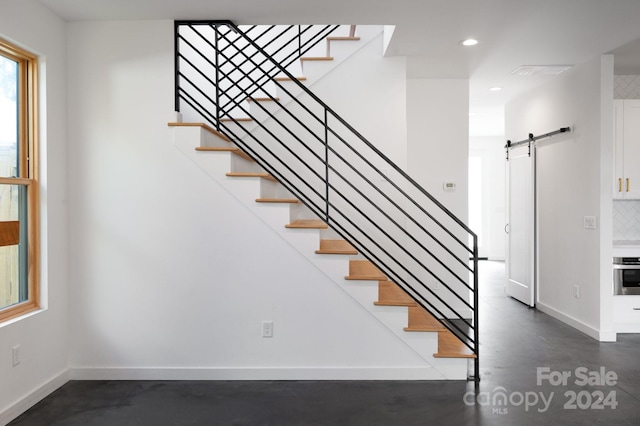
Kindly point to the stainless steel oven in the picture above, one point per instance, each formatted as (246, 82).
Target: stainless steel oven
(626, 275)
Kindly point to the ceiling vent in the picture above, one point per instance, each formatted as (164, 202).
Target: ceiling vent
(533, 70)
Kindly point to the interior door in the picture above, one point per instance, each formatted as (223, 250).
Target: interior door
(520, 265)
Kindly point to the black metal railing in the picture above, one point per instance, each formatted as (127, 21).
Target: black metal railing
(225, 73)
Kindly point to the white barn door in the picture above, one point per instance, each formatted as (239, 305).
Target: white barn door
(521, 250)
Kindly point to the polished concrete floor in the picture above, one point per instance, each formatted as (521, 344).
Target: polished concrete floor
(519, 346)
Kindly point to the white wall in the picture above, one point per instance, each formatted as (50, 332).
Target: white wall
(438, 138)
(438, 152)
(171, 274)
(574, 175)
(369, 92)
(42, 336)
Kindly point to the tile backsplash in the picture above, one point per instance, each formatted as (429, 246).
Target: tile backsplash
(626, 86)
(626, 220)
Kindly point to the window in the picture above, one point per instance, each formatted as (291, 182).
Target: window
(19, 274)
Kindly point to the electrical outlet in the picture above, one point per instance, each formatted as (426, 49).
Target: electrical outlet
(15, 351)
(267, 328)
(576, 291)
(590, 222)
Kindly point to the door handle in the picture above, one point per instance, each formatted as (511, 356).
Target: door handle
(619, 184)
(506, 228)
(628, 184)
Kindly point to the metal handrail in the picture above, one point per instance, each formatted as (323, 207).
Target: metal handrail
(319, 158)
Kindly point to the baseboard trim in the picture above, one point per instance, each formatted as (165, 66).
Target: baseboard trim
(575, 323)
(23, 404)
(384, 373)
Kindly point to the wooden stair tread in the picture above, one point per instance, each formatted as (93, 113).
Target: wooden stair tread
(317, 58)
(307, 224)
(277, 200)
(240, 119)
(290, 79)
(360, 269)
(251, 174)
(202, 125)
(390, 294)
(449, 346)
(336, 247)
(231, 149)
(430, 329)
(346, 38)
(388, 303)
(217, 149)
(276, 99)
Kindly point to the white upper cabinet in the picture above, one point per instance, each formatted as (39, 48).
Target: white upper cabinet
(626, 153)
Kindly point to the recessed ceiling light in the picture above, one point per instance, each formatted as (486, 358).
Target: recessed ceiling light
(495, 88)
(469, 42)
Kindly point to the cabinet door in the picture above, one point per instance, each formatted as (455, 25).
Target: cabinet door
(618, 150)
(631, 154)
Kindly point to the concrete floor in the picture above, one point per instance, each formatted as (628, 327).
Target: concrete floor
(515, 343)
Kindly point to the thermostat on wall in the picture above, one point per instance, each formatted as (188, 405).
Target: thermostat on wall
(449, 186)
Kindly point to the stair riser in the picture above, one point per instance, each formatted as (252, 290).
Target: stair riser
(261, 110)
(239, 129)
(269, 189)
(301, 212)
(240, 164)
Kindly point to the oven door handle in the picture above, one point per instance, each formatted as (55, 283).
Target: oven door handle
(617, 266)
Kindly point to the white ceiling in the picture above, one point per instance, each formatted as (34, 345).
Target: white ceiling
(511, 33)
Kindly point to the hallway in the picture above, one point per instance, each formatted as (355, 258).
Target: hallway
(515, 343)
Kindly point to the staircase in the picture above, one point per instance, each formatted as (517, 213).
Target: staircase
(305, 190)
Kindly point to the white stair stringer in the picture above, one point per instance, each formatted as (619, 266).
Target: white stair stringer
(306, 241)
